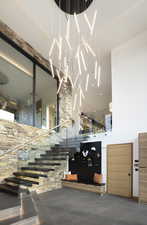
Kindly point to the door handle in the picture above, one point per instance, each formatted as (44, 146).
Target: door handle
(129, 174)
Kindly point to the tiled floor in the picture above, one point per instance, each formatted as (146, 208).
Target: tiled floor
(73, 207)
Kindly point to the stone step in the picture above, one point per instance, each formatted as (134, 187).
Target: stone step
(50, 153)
(73, 143)
(63, 149)
(43, 164)
(77, 138)
(9, 189)
(70, 146)
(50, 158)
(36, 169)
(20, 181)
(70, 142)
(32, 175)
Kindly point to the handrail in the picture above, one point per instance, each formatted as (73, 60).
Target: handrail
(19, 147)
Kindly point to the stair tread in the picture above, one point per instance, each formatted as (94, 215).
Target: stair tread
(49, 158)
(37, 169)
(21, 181)
(55, 153)
(26, 174)
(12, 189)
(8, 188)
(44, 164)
(62, 148)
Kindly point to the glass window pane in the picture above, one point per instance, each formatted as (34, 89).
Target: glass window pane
(16, 79)
(46, 99)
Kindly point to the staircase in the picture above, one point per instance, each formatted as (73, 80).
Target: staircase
(46, 170)
(43, 174)
(72, 142)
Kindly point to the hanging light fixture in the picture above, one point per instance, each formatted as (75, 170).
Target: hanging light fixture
(73, 6)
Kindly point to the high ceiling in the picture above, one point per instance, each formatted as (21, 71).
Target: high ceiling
(38, 22)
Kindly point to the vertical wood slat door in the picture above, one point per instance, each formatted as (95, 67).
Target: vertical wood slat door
(119, 169)
(143, 167)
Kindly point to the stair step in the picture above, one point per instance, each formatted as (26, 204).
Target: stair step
(44, 164)
(49, 153)
(47, 156)
(32, 175)
(21, 181)
(63, 149)
(9, 189)
(76, 138)
(37, 169)
(50, 158)
(70, 144)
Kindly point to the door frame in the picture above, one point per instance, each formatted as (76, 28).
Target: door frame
(131, 167)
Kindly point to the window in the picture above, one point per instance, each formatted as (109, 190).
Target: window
(27, 96)
(46, 99)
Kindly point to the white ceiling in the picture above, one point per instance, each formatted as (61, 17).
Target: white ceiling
(38, 22)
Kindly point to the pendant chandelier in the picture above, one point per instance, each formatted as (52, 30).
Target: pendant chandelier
(73, 6)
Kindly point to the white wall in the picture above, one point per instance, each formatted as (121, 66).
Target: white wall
(129, 80)
(129, 92)
(129, 98)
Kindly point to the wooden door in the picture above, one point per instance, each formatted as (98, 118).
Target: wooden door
(119, 162)
(143, 167)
